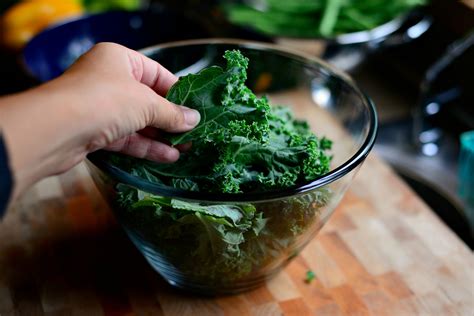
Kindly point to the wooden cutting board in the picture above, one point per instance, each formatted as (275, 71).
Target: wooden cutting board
(383, 252)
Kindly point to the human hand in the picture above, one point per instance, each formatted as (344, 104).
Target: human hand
(111, 98)
(125, 92)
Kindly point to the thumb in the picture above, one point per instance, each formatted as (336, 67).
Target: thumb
(173, 118)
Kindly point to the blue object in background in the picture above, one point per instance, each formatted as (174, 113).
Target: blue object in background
(52, 51)
(466, 174)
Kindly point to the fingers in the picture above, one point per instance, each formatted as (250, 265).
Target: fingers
(154, 78)
(163, 114)
(112, 58)
(166, 115)
(171, 117)
(140, 146)
(151, 73)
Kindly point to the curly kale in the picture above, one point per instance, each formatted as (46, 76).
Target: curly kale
(241, 144)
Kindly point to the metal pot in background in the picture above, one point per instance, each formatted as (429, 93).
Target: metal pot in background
(347, 51)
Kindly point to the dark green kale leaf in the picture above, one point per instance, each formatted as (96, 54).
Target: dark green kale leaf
(221, 97)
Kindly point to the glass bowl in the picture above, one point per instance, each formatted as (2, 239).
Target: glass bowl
(188, 251)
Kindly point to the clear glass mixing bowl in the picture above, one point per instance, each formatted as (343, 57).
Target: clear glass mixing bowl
(186, 253)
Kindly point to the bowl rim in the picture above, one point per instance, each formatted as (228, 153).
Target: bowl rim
(97, 158)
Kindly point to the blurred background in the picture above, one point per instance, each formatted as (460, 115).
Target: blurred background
(414, 58)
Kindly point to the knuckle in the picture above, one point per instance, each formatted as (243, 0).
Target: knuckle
(161, 113)
(177, 116)
(152, 107)
(102, 138)
(145, 105)
(107, 46)
(171, 116)
(106, 51)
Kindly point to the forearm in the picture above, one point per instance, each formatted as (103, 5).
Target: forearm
(37, 127)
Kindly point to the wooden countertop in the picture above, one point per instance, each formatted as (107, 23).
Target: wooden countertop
(383, 252)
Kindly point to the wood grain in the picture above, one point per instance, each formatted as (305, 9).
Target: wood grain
(383, 252)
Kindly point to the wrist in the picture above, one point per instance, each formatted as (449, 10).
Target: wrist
(38, 127)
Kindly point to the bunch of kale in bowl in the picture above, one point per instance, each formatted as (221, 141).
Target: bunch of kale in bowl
(243, 201)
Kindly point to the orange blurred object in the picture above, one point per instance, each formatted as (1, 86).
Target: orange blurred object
(27, 18)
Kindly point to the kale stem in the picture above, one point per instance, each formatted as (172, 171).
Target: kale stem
(329, 18)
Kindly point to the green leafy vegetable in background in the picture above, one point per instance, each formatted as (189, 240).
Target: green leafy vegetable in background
(311, 18)
(242, 144)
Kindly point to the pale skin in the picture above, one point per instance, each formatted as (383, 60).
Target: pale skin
(112, 98)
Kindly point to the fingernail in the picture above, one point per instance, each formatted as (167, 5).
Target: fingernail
(192, 117)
